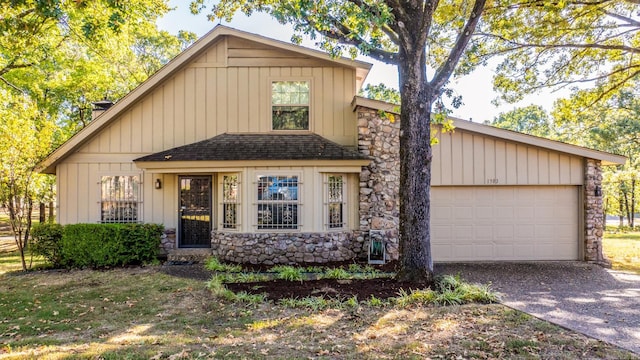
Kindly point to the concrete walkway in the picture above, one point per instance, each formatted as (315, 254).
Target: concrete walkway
(586, 298)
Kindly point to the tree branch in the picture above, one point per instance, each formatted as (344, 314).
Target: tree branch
(11, 85)
(13, 66)
(343, 34)
(564, 46)
(444, 72)
(626, 19)
(390, 32)
(400, 27)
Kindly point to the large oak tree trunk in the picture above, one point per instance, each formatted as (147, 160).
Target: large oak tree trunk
(416, 263)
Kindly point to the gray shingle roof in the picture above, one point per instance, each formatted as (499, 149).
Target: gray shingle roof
(258, 147)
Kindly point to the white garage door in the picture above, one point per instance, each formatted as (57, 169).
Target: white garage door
(504, 223)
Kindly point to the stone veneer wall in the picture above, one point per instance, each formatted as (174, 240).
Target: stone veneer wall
(379, 138)
(593, 219)
(167, 241)
(285, 248)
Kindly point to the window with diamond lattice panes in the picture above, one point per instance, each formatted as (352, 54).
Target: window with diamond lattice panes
(120, 198)
(230, 201)
(290, 105)
(335, 203)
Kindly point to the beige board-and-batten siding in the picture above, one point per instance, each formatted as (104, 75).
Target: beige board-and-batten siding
(203, 100)
(78, 192)
(498, 200)
(208, 96)
(466, 158)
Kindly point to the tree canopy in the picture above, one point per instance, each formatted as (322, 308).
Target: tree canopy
(66, 54)
(532, 120)
(593, 44)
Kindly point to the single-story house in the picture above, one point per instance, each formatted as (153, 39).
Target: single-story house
(261, 151)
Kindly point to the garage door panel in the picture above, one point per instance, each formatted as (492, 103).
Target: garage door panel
(484, 212)
(525, 231)
(463, 232)
(481, 250)
(483, 232)
(506, 197)
(524, 212)
(544, 213)
(523, 250)
(440, 213)
(464, 250)
(504, 213)
(505, 223)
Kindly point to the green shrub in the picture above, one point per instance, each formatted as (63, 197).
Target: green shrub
(46, 241)
(101, 245)
(214, 264)
(288, 273)
(337, 273)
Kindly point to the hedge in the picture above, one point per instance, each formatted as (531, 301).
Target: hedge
(97, 245)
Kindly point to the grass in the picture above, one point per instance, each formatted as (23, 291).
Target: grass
(141, 313)
(623, 249)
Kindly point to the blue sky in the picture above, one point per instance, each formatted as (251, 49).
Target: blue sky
(475, 88)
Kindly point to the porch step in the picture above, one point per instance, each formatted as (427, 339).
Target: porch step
(189, 255)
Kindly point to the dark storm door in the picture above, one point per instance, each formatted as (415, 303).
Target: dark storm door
(195, 212)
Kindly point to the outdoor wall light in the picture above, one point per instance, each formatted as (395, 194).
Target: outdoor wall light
(598, 191)
(158, 184)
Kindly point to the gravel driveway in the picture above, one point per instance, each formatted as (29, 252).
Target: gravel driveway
(598, 302)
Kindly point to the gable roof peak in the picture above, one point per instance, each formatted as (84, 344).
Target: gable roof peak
(219, 31)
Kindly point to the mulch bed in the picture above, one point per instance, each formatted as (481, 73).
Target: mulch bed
(382, 288)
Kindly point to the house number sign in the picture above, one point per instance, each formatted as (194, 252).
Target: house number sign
(492, 181)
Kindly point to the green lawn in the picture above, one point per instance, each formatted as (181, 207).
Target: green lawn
(623, 249)
(141, 313)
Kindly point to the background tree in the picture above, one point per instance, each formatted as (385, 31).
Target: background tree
(26, 138)
(65, 55)
(610, 124)
(56, 57)
(532, 120)
(592, 42)
(381, 92)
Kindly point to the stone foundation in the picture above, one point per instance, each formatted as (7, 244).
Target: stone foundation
(593, 219)
(286, 248)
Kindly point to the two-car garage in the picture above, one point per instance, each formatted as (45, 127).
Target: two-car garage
(499, 195)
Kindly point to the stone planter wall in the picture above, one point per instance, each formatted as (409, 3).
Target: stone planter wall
(285, 248)
(593, 219)
(379, 138)
(167, 241)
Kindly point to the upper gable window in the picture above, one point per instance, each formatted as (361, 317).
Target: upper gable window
(290, 105)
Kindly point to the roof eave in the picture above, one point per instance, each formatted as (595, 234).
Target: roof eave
(605, 157)
(207, 165)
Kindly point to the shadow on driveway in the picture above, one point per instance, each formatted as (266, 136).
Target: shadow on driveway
(587, 298)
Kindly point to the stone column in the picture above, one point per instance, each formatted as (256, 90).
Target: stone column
(593, 219)
(167, 241)
(379, 138)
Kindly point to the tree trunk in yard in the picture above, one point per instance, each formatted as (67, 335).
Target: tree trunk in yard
(416, 263)
(42, 214)
(633, 203)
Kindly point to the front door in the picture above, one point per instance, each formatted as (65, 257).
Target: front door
(195, 212)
